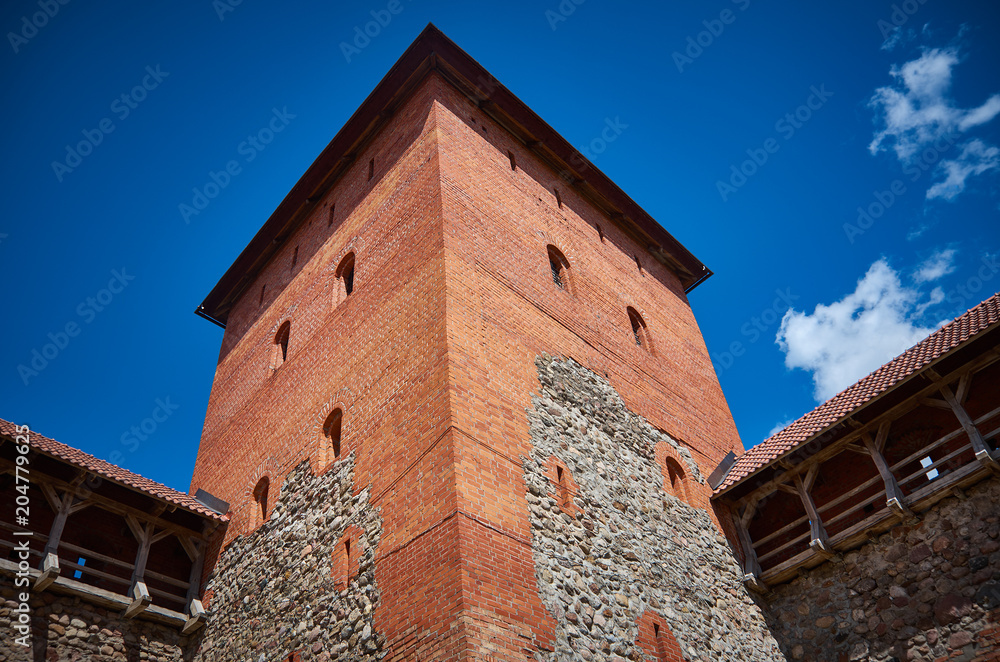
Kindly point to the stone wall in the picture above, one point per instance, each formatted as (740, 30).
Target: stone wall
(65, 628)
(281, 589)
(925, 590)
(624, 550)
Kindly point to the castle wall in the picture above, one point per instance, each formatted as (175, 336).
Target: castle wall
(291, 589)
(616, 550)
(65, 629)
(379, 354)
(503, 310)
(432, 361)
(925, 590)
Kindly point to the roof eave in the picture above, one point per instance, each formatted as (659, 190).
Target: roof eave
(433, 51)
(843, 419)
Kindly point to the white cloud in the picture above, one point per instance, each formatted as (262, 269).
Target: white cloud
(940, 264)
(898, 36)
(779, 427)
(975, 159)
(842, 342)
(916, 111)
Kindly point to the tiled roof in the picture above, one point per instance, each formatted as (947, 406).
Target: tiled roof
(931, 348)
(110, 471)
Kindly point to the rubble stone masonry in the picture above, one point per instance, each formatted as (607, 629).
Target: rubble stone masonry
(927, 590)
(288, 590)
(613, 549)
(65, 628)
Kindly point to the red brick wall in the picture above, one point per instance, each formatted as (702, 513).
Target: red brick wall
(432, 360)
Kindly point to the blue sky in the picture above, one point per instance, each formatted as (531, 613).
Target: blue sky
(752, 131)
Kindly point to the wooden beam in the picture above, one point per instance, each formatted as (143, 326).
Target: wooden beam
(198, 617)
(751, 567)
(101, 597)
(140, 600)
(979, 447)
(890, 414)
(894, 498)
(818, 540)
(50, 571)
(962, 390)
(194, 578)
(103, 502)
(145, 540)
(64, 508)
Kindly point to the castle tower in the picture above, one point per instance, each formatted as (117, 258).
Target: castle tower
(463, 409)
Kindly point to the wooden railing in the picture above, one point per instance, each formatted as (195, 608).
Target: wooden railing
(821, 529)
(57, 563)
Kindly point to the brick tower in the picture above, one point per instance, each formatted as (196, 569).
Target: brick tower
(462, 408)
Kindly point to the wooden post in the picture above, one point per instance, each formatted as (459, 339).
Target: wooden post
(195, 550)
(146, 537)
(751, 566)
(818, 541)
(63, 507)
(895, 500)
(979, 447)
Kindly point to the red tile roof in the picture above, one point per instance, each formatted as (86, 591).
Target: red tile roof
(43, 444)
(834, 410)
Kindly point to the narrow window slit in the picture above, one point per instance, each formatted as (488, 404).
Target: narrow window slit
(639, 331)
(281, 344)
(559, 268)
(513, 163)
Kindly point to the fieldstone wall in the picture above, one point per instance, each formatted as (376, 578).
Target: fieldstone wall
(927, 590)
(65, 628)
(275, 592)
(627, 548)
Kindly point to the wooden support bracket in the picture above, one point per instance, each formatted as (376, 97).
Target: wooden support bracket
(979, 447)
(50, 570)
(895, 500)
(140, 600)
(198, 617)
